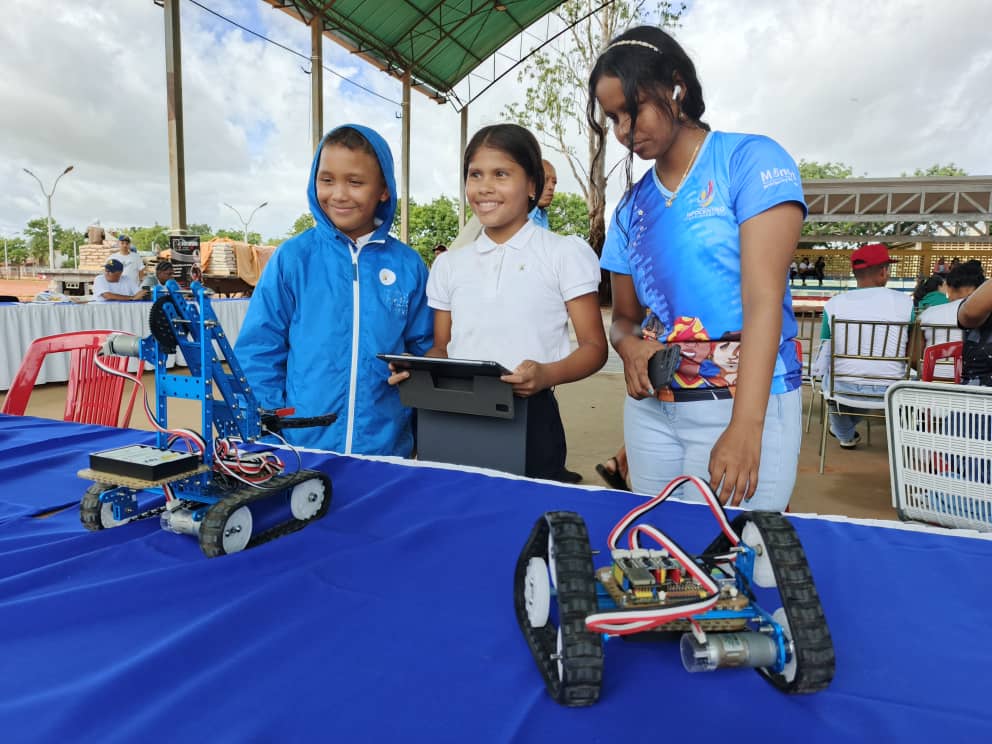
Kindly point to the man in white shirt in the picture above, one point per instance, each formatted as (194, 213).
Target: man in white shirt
(134, 266)
(871, 301)
(112, 285)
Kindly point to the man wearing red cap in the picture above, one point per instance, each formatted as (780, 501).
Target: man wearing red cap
(872, 300)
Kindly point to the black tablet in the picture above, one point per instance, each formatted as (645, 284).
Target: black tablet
(446, 367)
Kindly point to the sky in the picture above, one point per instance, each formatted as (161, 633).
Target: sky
(885, 87)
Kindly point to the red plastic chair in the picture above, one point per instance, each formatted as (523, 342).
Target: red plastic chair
(941, 352)
(93, 396)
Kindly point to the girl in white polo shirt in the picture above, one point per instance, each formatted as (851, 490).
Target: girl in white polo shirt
(508, 296)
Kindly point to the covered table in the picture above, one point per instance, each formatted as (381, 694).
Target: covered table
(392, 620)
(21, 324)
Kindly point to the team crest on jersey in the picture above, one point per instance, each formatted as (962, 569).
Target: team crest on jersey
(387, 277)
(706, 195)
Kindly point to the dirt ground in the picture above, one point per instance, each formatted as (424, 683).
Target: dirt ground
(23, 289)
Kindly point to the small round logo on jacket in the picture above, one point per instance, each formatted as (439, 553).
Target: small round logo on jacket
(387, 277)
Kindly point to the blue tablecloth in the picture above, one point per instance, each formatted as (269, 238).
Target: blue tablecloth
(392, 620)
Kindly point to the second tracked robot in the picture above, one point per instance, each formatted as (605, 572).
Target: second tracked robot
(719, 600)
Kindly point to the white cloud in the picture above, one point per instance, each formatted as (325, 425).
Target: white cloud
(885, 87)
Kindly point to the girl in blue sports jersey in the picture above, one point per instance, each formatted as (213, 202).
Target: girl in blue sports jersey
(704, 242)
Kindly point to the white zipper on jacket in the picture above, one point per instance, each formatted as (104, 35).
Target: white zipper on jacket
(353, 379)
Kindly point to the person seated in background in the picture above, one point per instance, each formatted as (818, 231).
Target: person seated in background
(871, 301)
(962, 280)
(112, 285)
(163, 273)
(928, 293)
(975, 317)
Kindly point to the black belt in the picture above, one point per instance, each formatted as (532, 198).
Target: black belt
(685, 396)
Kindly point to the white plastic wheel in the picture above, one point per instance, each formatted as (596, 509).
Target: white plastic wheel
(107, 516)
(537, 592)
(764, 574)
(789, 672)
(307, 498)
(237, 530)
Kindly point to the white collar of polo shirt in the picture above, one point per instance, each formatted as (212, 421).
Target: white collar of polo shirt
(485, 244)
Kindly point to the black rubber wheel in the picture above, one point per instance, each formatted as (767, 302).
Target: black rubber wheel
(811, 667)
(94, 514)
(568, 655)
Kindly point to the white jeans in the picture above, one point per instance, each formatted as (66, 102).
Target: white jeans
(666, 440)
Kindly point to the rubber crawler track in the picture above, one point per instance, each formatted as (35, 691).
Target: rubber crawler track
(814, 649)
(582, 652)
(212, 529)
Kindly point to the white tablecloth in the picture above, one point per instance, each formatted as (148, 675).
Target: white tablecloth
(21, 324)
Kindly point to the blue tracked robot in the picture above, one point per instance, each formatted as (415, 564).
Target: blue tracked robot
(212, 489)
(716, 599)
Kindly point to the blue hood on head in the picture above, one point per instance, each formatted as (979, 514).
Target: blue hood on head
(385, 211)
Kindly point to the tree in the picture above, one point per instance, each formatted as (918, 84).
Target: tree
(154, 238)
(16, 250)
(36, 235)
(432, 223)
(203, 230)
(568, 214)
(69, 239)
(303, 223)
(939, 170)
(811, 170)
(254, 238)
(554, 105)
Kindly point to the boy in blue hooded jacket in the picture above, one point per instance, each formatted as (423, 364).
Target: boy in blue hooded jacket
(333, 297)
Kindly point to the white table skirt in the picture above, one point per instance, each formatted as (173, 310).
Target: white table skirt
(22, 324)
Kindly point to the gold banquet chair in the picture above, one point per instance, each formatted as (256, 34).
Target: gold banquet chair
(878, 349)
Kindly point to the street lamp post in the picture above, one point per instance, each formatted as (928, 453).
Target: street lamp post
(48, 198)
(245, 222)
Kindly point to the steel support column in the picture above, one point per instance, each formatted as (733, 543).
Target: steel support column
(174, 96)
(316, 80)
(405, 163)
(461, 168)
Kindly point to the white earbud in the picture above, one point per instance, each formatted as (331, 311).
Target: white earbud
(675, 92)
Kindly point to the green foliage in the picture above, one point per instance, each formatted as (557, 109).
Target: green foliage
(556, 94)
(154, 238)
(432, 223)
(17, 250)
(254, 238)
(568, 214)
(939, 170)
(69, 240)
(203, 230)
(36, 235)
(303, 223)
(811, 170)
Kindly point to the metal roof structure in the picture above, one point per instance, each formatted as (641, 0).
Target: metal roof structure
(934, 209)
(437, 42)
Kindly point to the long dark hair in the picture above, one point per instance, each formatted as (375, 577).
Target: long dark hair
(927, 286)
(651, 69)
(519, 144)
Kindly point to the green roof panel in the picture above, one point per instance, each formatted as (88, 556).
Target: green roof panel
(438, 41)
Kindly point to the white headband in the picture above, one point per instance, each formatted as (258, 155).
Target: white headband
(633, 42)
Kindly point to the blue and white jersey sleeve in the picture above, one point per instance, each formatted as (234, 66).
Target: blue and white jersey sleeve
(762, 175)
(615, 256)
